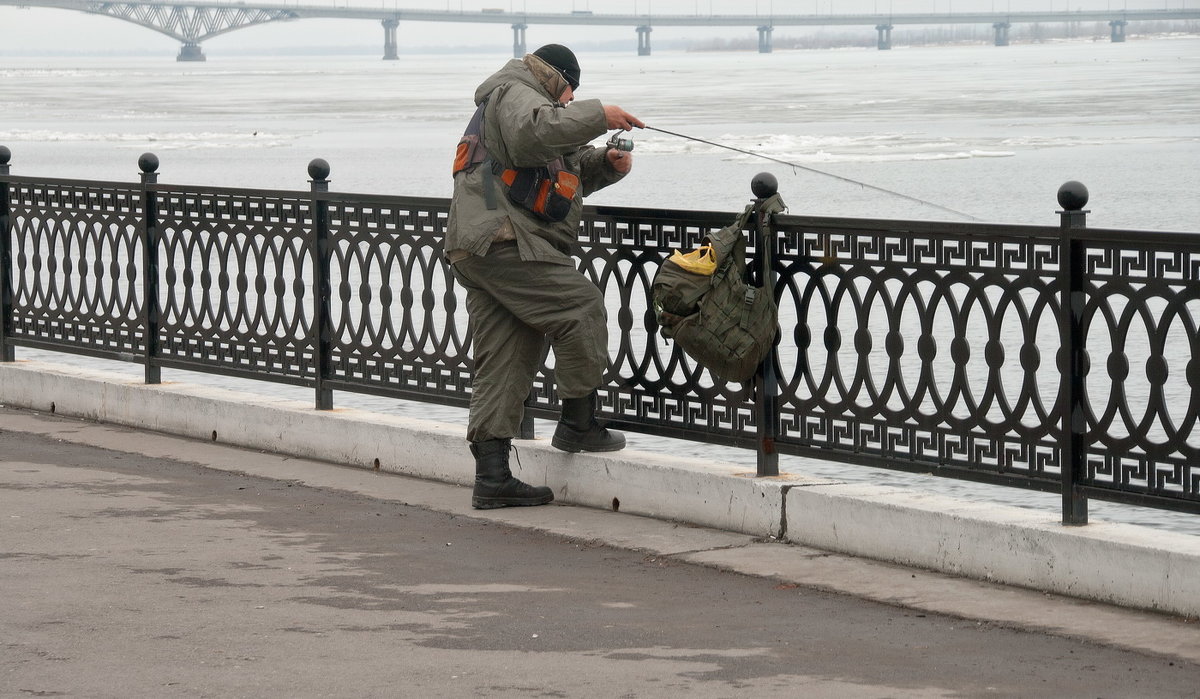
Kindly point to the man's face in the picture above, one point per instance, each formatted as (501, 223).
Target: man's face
(567, 95)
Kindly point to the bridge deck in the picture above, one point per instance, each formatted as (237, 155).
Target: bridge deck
(647, 19)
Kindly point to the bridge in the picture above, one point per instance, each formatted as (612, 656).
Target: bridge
(192, 23)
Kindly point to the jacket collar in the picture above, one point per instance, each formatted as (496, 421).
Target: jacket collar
(547, 76)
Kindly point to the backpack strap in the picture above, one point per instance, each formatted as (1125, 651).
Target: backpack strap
(489, 184)
(472, 152)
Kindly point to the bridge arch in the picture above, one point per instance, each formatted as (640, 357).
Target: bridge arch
(188, 24)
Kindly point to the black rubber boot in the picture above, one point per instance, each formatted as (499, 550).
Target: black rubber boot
(495, 485)
(578, 430)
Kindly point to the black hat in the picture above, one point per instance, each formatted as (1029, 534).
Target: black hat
(563, 60)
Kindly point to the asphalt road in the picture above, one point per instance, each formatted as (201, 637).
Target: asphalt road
(127, 575)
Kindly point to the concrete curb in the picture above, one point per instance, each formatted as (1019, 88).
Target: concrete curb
(1120, 564)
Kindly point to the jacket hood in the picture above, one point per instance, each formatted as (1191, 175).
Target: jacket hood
(531, 71)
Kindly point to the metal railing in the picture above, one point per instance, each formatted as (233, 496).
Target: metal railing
(1061, 359)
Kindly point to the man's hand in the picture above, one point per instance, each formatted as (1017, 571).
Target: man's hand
(618, 118)
(621, 161)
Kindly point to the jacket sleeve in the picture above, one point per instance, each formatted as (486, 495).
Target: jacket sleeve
(595, 172)
(536, 130)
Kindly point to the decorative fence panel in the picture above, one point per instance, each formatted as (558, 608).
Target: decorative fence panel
(398, 327)
(76, 252)
(1142, 380)
(922, 346)
(235, 293)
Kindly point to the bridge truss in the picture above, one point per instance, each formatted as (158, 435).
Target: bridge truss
(190, 24)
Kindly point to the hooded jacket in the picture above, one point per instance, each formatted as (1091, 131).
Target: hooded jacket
(526, 126)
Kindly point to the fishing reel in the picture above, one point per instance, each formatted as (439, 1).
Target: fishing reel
(621, 143)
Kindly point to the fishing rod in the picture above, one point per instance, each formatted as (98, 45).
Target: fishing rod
(621, 143)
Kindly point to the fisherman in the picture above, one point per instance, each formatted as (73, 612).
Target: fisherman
(521, 172)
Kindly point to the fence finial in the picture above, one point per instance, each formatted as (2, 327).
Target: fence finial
(318, 169)
(764, 185)
(1072, 196)
(148, 163)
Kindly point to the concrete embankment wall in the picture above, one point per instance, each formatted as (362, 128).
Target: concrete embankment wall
(1115, 563)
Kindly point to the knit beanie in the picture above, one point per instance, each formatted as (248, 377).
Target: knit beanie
(563, 60)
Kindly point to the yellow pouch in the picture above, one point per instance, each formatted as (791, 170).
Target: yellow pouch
(702, 260)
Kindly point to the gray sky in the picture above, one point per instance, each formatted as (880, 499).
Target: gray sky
(37, 29)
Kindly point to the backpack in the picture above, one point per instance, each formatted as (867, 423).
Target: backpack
(725, 324)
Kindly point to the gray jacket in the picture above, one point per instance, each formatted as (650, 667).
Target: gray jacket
(525, 126)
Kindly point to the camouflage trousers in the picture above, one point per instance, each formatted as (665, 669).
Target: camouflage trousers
(515, 307)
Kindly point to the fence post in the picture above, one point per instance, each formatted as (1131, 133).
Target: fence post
(1072, 196)
(766, 383)
(7, 351)
(526, 430)
(148, 164)
(318, 170)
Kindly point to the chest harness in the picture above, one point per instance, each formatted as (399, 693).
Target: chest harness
(546, 191)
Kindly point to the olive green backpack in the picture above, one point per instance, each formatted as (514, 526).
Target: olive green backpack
(719, 320)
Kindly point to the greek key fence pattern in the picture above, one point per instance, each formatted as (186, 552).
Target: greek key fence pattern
(923, 346)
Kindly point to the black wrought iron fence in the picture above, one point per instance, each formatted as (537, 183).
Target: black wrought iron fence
(1054, 358)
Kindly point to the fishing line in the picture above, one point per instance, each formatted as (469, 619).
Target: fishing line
(796, 166)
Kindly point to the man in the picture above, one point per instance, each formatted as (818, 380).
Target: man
(514, 259)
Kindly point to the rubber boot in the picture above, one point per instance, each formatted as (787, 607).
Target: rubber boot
(578, 430)
(495, 485)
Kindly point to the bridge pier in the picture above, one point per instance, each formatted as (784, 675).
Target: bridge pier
(1001, 33)
(519, 40)
(190, 51)
(764, 39)
(389, 39)
(644, 39)
(885, 36)
(1118, 30)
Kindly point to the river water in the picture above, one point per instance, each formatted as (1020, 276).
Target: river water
(987, 131)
